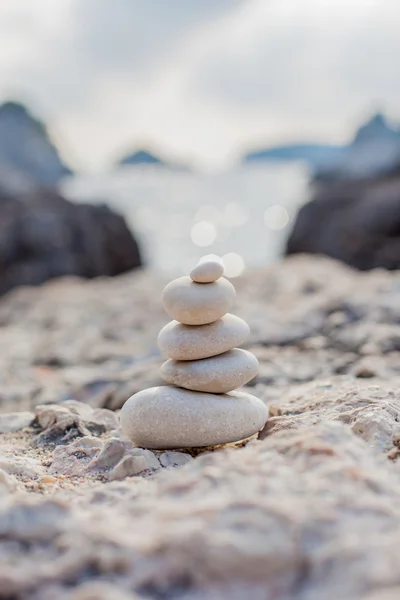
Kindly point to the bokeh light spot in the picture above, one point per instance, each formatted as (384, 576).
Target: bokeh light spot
(207, 257)
(233, 264)
(276, 217)
(203, 233)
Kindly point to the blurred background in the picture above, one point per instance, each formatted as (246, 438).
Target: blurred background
(194, 127)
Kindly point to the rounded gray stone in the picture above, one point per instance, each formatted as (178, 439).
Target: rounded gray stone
(207, 271)
(216, 375)
(168, 417)
(191, 342)
(194, 303)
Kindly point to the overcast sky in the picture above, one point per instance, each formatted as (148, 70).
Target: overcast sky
(200, 80)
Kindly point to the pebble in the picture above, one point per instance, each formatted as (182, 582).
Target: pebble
(96, 590)
(215, 375)
(111, 453)
(128, 467)
(151, 459)
(21, 465)
(191, 342)
(74, 459)
(207, 271)
(168, 417)
(15, 421)
(48, 480)
(175, 459)
(197, 303)
(8, 483)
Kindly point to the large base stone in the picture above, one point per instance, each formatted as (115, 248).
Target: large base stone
(170, 417)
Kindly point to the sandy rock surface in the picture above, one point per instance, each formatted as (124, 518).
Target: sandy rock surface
(309, 511)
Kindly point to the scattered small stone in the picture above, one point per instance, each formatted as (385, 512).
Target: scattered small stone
(365, 373)
(33, 521)
(21, 465)
(48, 480)
(75, 458)
(175, 459)
(88, 441)
(90, 590)
(62, 422)
(15, 421)
(8, 482)
(111, 453)
(128, 467)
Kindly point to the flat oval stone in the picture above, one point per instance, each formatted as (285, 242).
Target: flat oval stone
(216, 375)
(207, 271)
(191, 342)
(168, 417)
(194, 303)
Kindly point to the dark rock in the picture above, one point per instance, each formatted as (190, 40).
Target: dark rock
(26, 150)
(357, 222)
(42, 236)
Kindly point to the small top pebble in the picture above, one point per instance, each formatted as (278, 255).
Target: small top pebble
(207, 271)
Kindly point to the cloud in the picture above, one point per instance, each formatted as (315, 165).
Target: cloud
(310, 63)
(91, 39)
(92, 68)
(132, 34)
(202, 78)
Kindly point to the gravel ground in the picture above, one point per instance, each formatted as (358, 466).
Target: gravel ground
(308, 510)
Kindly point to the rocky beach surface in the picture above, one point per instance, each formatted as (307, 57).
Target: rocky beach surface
(309, 509)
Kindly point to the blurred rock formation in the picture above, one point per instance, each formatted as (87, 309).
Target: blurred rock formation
(42, 236)
(27, 154)
(374, 150)
(355, 221)
(143, 158)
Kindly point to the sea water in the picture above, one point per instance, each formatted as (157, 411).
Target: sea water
(243, 215)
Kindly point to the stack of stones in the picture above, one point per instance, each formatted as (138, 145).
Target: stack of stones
(199, 406)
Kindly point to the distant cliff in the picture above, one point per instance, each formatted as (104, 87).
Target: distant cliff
(143, 157)
(316, 155)
(27, 154)
(374, 150)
